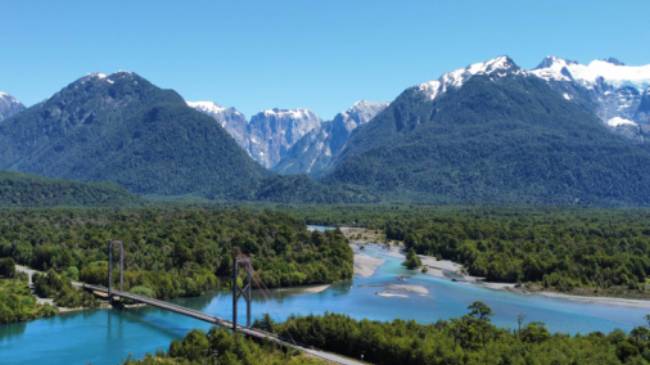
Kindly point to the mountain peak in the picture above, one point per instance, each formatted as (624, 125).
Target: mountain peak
(108, 78)
(499, 66)
(614, 61)
(7, 96)
(9, 105)
(554, 61)
(501, 63)
(360, 112)
(362, 105)
(208, 107)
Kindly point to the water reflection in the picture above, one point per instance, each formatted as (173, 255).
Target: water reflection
(9, 331)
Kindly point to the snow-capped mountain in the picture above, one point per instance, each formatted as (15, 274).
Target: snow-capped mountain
(9, 106)
(493, 131)
(274, 131)
(295, 141)
(313, 153)
(496, 67)
(268, 135)
(617, 93)
(233, 121)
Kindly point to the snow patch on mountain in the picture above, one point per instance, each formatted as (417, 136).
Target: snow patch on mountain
(314, 152)
(497, 67)
(609, 71)
(618, 121)
(274, 131)
(360, 113)
(230, 119)
(299, 113)
(614, 91)
(209, 107)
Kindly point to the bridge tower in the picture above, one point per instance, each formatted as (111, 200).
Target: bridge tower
(110, 265)
(241, 261)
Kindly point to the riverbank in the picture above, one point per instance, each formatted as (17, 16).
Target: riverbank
(450, 270)
(309, 289)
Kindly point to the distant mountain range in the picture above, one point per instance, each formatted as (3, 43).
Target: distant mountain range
(491, 132)
(290, 141)
(314, 152)
(123, 129)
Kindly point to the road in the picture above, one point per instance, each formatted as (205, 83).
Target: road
(256, 333)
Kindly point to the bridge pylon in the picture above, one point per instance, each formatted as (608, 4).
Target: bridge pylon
(110, 265)
(245, 291)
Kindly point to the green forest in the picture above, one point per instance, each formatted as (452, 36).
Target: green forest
(219, 346)
(172, 252)
(598, 252)
(18, 303)
(584, 251)
(471, 339)
(22, 190)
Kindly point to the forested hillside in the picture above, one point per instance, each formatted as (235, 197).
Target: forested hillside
(20, 190)
(507, 139)
(122, 128)
(174, 252)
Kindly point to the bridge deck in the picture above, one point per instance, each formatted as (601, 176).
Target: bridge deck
(255, 333)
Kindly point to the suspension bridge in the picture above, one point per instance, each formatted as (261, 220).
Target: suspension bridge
(239, 262)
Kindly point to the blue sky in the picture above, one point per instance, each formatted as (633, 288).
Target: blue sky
(323, 55)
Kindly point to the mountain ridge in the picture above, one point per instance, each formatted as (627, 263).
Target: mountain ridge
(467, 141)
(314, 152)
(122, 128)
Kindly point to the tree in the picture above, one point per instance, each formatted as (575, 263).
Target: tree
(7, 267)
(480, 311)
(412, 261)
(265, 324)
(534, 332)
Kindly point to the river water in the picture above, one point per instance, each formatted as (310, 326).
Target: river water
(110, 336)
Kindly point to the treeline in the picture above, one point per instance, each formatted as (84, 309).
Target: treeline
(22, 190)
(471, 339)
(591, 251)
(220, 347)
(17, 303)
(173, 252)
(602, 251)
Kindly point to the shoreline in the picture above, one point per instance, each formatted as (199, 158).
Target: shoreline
(449, 270)
(311, 289)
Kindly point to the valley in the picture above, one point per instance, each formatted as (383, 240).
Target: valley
(390, 291)
(494, 199)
